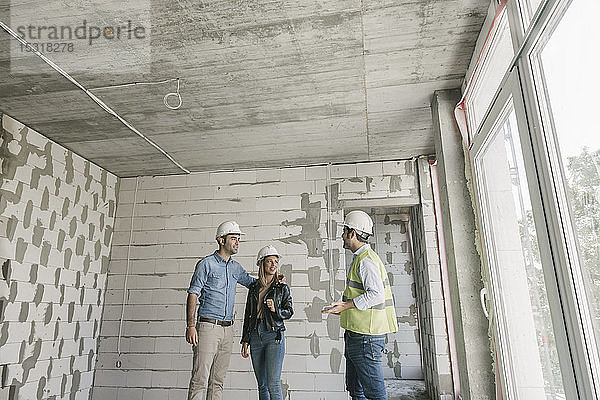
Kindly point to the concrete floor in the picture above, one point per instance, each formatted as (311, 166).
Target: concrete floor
(402, 389)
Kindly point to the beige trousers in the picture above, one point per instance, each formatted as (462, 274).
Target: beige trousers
(211, 360)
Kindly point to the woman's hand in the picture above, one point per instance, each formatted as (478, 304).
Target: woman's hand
(245, 350)
(271, 305)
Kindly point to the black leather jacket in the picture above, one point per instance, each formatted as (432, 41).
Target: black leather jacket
(280, 293)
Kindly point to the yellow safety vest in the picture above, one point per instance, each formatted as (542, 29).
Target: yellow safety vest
(377, 320)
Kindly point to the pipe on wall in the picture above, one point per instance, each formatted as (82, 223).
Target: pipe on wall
(435, 186)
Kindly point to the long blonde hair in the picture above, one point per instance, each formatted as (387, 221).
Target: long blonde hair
(262, 276)
(264, 285)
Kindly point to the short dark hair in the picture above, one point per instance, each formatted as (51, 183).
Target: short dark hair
(225, 237)
(360, 235)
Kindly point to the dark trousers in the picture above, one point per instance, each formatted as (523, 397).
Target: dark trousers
(364, 375)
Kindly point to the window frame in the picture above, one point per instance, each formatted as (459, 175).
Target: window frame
(497, 114)
(548, 199)
(481, 70)
(563, 236)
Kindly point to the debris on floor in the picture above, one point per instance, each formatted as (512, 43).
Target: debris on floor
(404, 389)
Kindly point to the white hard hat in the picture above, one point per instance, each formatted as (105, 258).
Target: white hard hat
(266, 252)
(360, 221)
(228, 228)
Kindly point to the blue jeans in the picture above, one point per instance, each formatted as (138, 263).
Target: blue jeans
(364, 376)
(267, 359)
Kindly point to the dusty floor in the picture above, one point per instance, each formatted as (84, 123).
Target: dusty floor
(400, 389)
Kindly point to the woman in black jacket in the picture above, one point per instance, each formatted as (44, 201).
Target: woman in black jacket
(269, 303)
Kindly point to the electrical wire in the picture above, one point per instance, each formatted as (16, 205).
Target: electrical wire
(165, 99)
(118, 364)
(329, 233)
(90, 95)
(135, 84)
(177, 95)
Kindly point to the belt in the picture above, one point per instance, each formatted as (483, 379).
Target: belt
(215, 321)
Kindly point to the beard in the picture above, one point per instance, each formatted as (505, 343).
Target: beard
(232, 249)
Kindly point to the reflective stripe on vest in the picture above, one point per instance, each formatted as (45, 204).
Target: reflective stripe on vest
(380, 318)
(359, 285)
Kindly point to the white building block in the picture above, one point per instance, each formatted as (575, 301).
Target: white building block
(268, 175)
(343, 171)
(198, 179)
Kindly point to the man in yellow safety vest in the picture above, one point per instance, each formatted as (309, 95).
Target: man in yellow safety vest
(367, 311)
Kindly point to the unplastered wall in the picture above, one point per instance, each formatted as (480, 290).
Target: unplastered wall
(165, 225)
(428, 280)
(391, 241)
(56, 214)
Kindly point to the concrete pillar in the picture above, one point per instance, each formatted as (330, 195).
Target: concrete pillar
(470, 324)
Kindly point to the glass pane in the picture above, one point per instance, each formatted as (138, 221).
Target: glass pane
(571, 63)
(527, 345)
(533, 6)
(494, 63)
(529, 8)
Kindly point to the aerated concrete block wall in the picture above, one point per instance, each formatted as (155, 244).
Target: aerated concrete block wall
(170, 222)
(391, 242)
(428, 280)
(56, 223)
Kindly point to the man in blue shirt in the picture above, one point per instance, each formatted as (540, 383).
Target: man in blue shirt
(214, 283)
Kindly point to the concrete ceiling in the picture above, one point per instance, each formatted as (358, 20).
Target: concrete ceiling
(264, 83)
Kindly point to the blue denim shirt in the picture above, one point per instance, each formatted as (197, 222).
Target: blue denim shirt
(214, 281)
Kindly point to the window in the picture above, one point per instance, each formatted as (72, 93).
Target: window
(528, 349)
(568, 85)
(535, 157)
(528, 10)
(496, 57)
